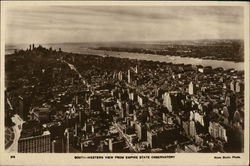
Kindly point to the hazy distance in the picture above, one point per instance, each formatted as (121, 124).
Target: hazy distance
(59, 24)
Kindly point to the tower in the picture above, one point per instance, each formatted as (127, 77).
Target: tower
(167, 101)
(129, 77)
(67, 139)
(232, 86)
(191, 88)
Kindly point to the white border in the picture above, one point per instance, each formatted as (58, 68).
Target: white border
(180, 159)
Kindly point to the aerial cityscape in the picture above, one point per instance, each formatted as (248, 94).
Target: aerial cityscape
(173, 96)
(105, 104)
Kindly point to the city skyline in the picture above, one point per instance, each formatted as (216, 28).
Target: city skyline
(60, 24)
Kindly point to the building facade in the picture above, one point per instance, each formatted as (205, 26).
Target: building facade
(35, 144)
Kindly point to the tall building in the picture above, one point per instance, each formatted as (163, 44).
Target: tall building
(191, 88)
(141, 131)
(239, 87)
(67, 140)
(236, 116)
(192, 129)
(138, 130)
(199, 118)
(35, 144)
(24, 106)
(129, 108)
(58, 146)
(225, 112)
(230, 100)
(115, 145)
(217, 131)
(129, 77)
(119, 103)
(185, 125)
(140, 100)
(232, 85)
(120, 77)
(20, 111)
(121, 113)
(152, 139)
(76, 99)
(167, 101)
(132, 96)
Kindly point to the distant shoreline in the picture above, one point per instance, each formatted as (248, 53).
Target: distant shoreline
(222, 50)
(92, 50)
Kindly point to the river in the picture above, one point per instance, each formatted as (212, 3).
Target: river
(83, 49)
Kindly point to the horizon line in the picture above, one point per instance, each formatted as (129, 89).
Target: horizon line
(131, 41)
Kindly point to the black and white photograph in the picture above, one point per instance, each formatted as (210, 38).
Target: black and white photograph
(125, 80)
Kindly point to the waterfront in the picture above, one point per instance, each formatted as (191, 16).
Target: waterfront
(85, 49)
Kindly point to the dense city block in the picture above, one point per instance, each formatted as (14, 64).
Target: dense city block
(59, 102)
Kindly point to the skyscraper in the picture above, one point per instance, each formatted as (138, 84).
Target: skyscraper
(192, 129)
(129, 77)
(232, 85)
(191, 88)
(120, 76)
(35, 144)
(152, 139)
(167, 101)
(239, 87)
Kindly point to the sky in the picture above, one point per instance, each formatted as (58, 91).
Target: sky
(60, 24)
